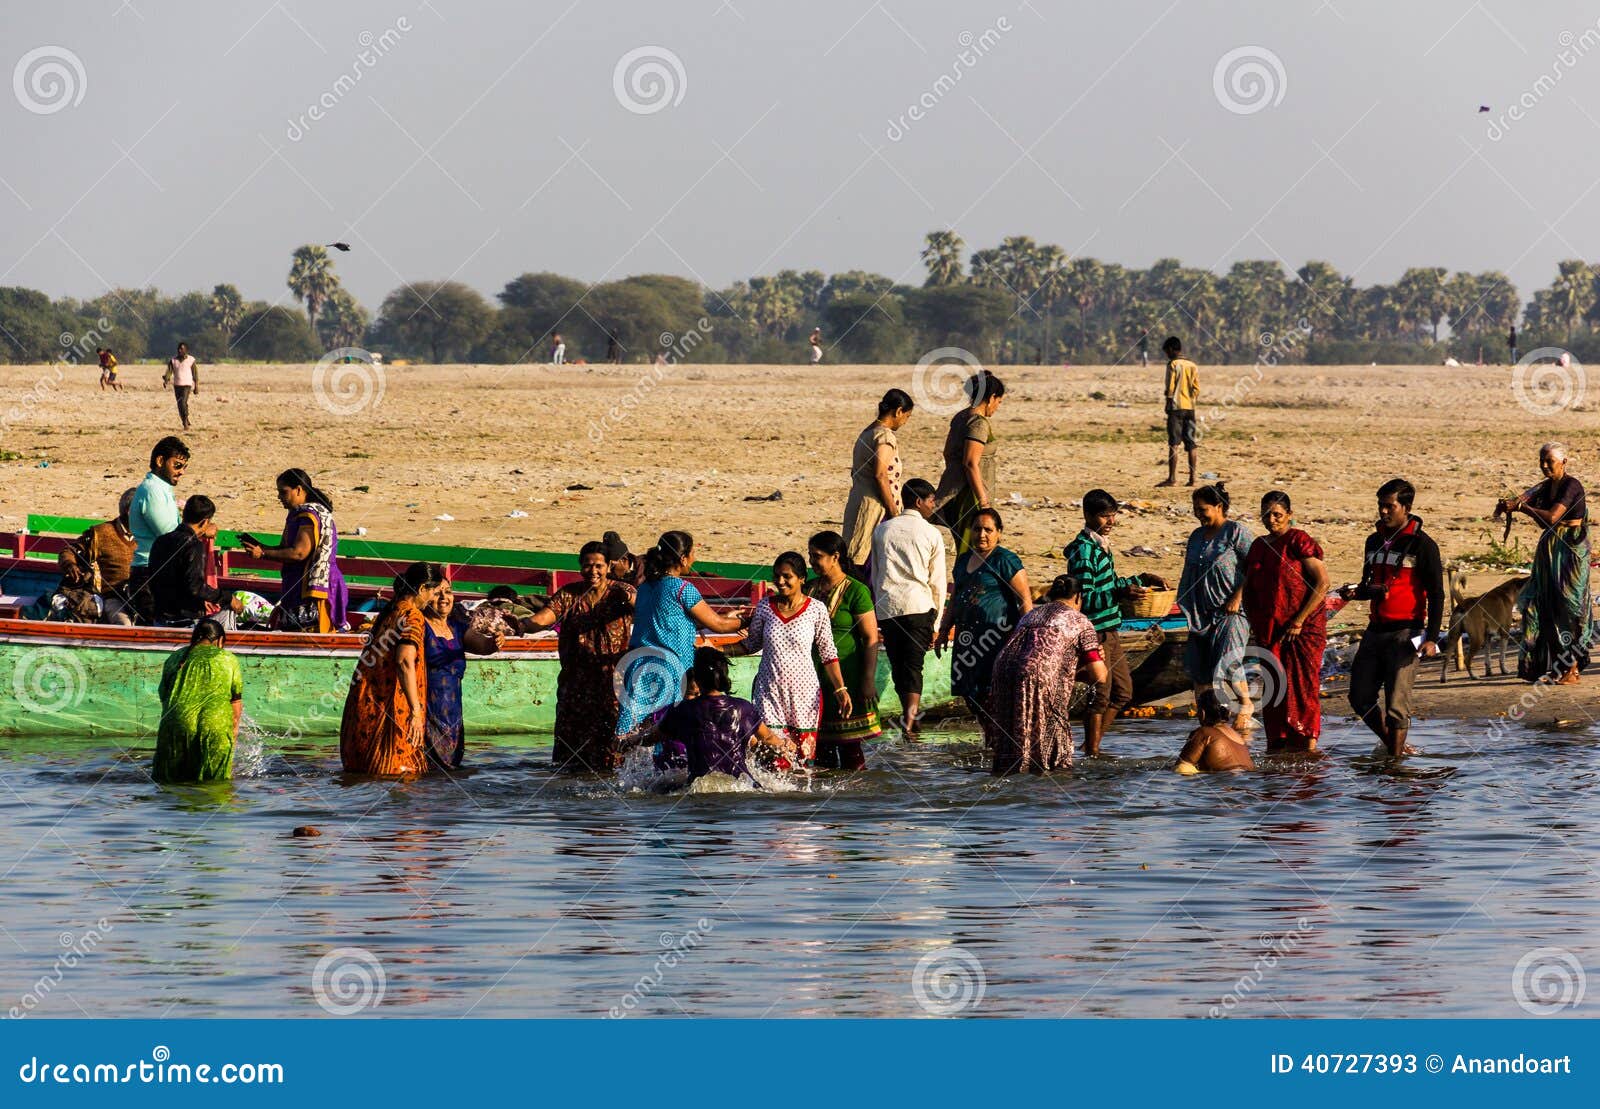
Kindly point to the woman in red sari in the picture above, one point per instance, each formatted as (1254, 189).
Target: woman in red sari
(1284, 584)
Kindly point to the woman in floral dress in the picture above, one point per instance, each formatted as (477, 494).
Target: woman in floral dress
(785, 629)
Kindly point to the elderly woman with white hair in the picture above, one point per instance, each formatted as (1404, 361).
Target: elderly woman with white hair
(1555, 603)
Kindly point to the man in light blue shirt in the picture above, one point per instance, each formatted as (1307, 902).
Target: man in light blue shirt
(155, 504)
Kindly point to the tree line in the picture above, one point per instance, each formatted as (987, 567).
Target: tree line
(1017, 302)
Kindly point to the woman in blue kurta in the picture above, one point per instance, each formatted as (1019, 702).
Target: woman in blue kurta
(447, 639)
(991, 594)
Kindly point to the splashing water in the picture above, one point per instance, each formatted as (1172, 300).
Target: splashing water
(640, 775)
(250, 748)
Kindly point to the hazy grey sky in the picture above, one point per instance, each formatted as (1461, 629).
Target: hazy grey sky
(489, 138)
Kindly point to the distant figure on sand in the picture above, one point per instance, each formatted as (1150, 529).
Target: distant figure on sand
(1213, 746)
(1403, 577)
(909, 580)
(1182, 390)
(613, 349)
(558, 350)
(202, 699)
(1556, 627)
(874, 480)
(816, 345)
(967, 483)
(108, 369)
(1285, 582)
(184, 377)
(1144, 348)
(1027, 721)
(1511, 344)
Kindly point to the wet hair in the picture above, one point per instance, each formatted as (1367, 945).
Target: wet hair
(411, 581)
(198, 509)
(1097, 501)
(593, 547)
(794, 560)
(1400, 489)
(299, 479)
(915, 489)
(1064, 588)
(125, 502)
(993, 514)
(710, 670)
(1172, 346)
(502, 593)
(895, 400)
(1216, 493)
(207, 631)
(983, 385)
(170, 447)
(671, 551)
(1211, 710)
(1276, 496)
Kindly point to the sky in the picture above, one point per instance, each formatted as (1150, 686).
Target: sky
(174, 144)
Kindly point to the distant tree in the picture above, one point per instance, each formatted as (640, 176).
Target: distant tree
(188, 319)
(851, 282)
(343, 322)
(275, 333)
(1421, 299)
(942, 256)
(311, 279)
(865, 326)
(227, 309)
(442, 321)
(964, 315)
(1571, 296)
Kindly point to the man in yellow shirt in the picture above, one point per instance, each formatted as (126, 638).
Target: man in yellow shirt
(1182, 391)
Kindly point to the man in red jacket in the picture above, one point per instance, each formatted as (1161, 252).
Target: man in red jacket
(1403, 578)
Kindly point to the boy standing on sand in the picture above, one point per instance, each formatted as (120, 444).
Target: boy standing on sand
(1182, 390)
(816, 345)
(1089, 559)
(558, 352)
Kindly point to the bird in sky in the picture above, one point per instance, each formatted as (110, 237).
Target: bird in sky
(346, 246)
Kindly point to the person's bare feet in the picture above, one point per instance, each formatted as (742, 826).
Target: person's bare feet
(1169, 483)
(1569, 678)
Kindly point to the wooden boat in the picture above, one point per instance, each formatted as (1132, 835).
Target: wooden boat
(75, 680)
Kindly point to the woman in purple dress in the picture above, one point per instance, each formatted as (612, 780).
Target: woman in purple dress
(448, 637)
(1034, 674)
(711, 733)
(314, 596)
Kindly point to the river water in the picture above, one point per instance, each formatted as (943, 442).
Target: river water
(1461, 884)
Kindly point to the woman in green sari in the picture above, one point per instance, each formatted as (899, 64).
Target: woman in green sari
(202, 697)
(991, 594)
(855, 637)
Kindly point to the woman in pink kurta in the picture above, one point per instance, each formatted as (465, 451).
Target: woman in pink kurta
(785, 629)
(1031, 687)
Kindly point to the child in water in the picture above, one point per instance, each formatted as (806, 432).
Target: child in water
(711, 732)
(1213, 746)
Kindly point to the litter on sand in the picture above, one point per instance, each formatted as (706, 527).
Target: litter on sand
(516, 514)
(775, 495)
(444, 516)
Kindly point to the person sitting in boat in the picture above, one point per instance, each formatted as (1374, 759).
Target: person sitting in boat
(202, 699)
(1213, 746)
(621, 564)
(712, 732)
(314, 597)
(94, 571)
(180, 595)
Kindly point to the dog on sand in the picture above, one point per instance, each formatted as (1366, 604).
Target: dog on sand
(1477, 622)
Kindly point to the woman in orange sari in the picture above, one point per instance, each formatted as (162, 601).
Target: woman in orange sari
(385, 712)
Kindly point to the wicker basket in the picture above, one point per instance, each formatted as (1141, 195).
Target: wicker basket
(1157, 602)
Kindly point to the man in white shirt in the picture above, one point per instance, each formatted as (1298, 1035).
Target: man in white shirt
(185, 380)
(558, 352)
(908, 584)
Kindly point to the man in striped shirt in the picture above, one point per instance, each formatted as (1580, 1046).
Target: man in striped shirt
(1089, 559)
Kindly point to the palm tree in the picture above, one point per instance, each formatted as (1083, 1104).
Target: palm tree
(1049, 263)
(1082, 279)
(1319, 295)
(1018, 264)
(942, 256)
(344, 321)
(1422, 299)
(227, 309)
(312, 280)
(1571, 295)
